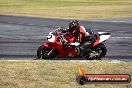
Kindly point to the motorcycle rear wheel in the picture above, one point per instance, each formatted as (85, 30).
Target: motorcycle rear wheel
(100, 50)
(103, 48)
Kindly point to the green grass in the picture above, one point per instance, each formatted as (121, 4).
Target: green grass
(57, 74)
(67, 9)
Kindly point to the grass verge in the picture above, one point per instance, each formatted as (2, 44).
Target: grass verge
(67, 9)
(57, 74)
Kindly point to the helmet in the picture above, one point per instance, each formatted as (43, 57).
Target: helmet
(73, 26)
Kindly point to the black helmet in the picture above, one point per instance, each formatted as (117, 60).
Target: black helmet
(73, 26)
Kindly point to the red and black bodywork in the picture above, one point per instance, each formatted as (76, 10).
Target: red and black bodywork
(55, 48)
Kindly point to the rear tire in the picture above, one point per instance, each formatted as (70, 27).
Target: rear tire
(100, 50)
(103, 48)
(43, 51)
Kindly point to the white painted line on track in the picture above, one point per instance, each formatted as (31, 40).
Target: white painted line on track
(13, 60)
(110, 21)
(84, 61)
(121, 37)
(115, 61)
(109, 61)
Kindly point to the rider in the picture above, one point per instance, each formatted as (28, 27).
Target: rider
(81, 35)
(79, 32)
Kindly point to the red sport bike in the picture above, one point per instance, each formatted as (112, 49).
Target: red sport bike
(54, 47)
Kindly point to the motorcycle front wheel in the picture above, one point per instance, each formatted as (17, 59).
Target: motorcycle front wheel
(45, 53)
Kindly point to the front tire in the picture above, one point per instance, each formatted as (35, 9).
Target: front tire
(42, 53)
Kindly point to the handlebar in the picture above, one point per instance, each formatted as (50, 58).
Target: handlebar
(62, 39)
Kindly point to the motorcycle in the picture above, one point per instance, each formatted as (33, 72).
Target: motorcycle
(54, 47)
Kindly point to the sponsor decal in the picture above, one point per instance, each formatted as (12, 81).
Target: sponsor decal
(83, 78)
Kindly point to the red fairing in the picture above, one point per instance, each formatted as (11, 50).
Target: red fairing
(63, 51)
(70, 37)
(69, 49)
(48, 45)
(83, 30)
(96, 43)
(73, 51)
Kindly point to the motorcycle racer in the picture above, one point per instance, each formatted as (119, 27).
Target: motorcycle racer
(79, 32)
(82, 36)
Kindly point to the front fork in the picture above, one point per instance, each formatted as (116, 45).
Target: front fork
(50, 52)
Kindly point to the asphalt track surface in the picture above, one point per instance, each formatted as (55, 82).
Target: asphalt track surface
(21, 36)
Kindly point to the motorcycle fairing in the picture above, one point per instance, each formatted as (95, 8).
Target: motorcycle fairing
(51, 37)
(96, 42)
(103, 36)
(63, 51)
